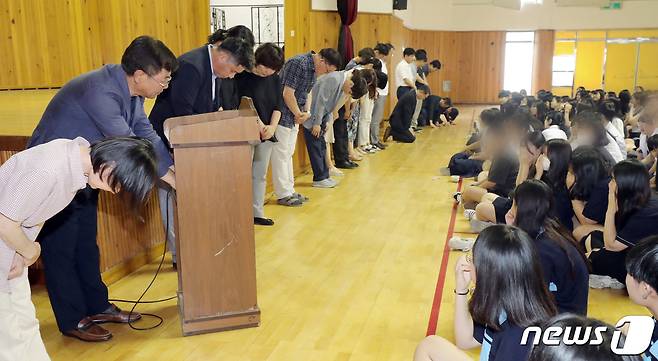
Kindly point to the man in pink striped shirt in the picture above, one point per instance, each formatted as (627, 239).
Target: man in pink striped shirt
(35, 185)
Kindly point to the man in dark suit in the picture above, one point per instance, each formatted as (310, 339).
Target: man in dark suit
(197, 88)
(194, 86)
(400, 120)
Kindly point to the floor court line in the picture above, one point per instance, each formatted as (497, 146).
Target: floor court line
(438, 292)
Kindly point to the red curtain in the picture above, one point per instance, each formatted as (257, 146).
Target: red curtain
(347, 10)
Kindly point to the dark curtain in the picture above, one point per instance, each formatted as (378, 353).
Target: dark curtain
(347, 10)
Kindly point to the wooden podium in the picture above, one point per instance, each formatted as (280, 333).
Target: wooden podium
(214, 219)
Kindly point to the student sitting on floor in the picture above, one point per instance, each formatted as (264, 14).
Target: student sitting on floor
(630, 217)
(589, 130)
(468, 163)
(502, 174)
(505, 263)
(493, 207)
(561, 351)
(642, 283)
(563, 264)
(553, 168)
(588, 190)
(35, 185)
(400, 119)
(555, 128)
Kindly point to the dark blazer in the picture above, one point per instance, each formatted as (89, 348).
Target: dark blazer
(403, 112)
(190, 91)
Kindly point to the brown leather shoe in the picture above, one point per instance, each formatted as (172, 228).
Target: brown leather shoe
(115, 315)
(88, 331)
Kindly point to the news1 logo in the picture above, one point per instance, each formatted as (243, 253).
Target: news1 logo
(638, 335)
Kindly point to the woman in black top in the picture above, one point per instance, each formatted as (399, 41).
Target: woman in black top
(631, 215)
(505, 263)
(553, 168)
(563, 264)
(589, 190)
(263, 86)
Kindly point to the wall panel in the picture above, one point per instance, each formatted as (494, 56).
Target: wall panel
(589, 64)
(50, 42)
(647, 68)
(620, 66)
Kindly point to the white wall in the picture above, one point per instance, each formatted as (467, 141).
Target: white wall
(366, 6)
(445, 16)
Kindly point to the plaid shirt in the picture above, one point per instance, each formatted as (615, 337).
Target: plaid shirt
(299, 74)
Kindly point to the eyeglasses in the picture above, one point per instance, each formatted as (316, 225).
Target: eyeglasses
(164, 85)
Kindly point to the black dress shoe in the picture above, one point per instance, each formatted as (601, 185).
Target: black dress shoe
(263, 221)
(381, 146)
(346, 165)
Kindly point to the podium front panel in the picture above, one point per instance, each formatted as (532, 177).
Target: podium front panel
(215, 232)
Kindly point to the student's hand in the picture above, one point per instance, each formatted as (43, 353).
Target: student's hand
(612, 195)
(539, 163)
(525, 157)
(17, 266)
(463, 275)
(316, 131)
(510, 218)
(302, 117)
(267, 132)
(33, 256)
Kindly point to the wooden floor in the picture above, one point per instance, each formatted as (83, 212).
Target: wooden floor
(351, 275)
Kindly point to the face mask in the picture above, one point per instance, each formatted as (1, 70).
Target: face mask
(546, 164)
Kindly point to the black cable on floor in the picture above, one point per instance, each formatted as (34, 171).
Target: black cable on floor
(159, 319)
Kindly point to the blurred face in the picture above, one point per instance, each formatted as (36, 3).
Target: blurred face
(646, 128)
(421, 95)
(409, 58)
(596, 96)
(224, 64)
(95, 181)
(262, 70)
(150, 86)
(585, 136)
(555, 104)
(443, 103)
(503, 100)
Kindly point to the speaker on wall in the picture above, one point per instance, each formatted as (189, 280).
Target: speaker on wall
(399, 4)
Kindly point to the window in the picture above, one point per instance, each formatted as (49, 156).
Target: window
(564, 67)
(519, 54)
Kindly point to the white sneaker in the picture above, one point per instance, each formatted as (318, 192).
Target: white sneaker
(599, 282)
(457, 196)
(325, 183)
(469, 214)
(478, 226)
(461, 244)
(454, 179)
(335, 172)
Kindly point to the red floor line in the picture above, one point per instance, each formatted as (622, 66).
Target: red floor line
(438, 292)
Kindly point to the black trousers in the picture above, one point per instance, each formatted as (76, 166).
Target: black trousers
(341, 153)
(317, 153)
(72, 261)
(402, 135)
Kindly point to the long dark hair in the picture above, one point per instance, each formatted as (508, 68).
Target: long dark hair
(625, 101)
(589, 169)
(534, 214)
(633, 188)
(578, 352)
(508, 279)
(559, 153)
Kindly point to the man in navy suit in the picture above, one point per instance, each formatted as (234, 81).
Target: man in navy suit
(194, 88)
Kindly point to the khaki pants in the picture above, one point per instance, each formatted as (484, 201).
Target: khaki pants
(20, 339)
